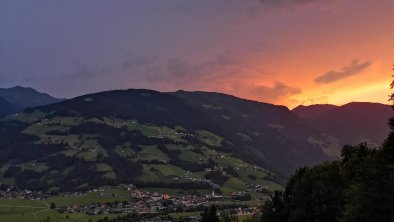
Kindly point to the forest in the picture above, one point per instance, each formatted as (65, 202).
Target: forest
(359, 187)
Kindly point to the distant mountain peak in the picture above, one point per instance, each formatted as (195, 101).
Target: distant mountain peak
(315, 105)
(22, 89)
(312, 111)
(364, 104)
(20, 97)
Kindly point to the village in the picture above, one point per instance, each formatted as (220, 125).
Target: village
(157, 205)
(143, 202)
(12, 193)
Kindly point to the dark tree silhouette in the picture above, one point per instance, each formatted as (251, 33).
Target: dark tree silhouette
(210, 215)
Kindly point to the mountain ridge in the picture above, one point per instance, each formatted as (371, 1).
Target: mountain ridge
(160, 136)
(18, 98)
(152, 107)
(351, 123)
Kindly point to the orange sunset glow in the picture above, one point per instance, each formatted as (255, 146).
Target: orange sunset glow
(285, 52)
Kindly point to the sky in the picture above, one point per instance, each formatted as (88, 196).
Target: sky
(287, 52)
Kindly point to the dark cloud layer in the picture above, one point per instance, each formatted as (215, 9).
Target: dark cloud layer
(294, 3)
(181, 68)
(352, 69)
(259, 9)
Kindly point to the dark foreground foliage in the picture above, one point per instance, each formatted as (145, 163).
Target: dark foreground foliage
(359, 187)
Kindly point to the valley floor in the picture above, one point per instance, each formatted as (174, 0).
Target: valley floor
(112, 202)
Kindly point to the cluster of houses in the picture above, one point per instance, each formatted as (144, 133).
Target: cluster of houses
(189, 177)
(12, 193)
(149, 203)
(170, 133)
(141, 202)
(257, 188)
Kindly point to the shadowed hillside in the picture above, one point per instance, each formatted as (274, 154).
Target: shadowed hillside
(351, 123)
(17, 98)
(6, 107)
(153, 139)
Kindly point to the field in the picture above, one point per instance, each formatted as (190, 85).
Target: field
(13, 214)
(27, 214)
(89, 198)
(232, 185)
(12, 210)
(35, 211)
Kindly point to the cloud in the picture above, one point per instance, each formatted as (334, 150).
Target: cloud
(352, 69)
(294, 3)
(241, 12)
(181, 68)
(225, 72)
(289, 5)
(276, 92)
(138, 61)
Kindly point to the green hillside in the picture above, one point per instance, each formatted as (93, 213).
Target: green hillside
(187, 140)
